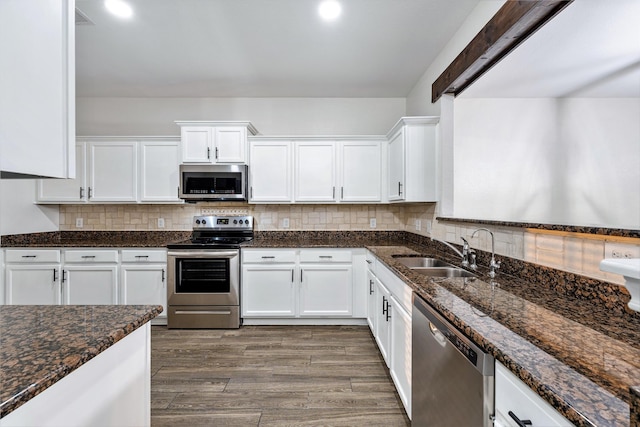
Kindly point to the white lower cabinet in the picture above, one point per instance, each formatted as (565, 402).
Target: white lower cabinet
(86, 277)
(514, 399)
(90, 284)
(389, 317)
(297, 284)
(32, 276)
(143, 279)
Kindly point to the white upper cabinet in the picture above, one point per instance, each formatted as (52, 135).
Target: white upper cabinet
(119, 170)
(315, 171)
(72, 190)
(214, 142)
(360, 171)
(112, 171)
(411, 161)
(159, 171)
(37, 105)
(324, 170)
(270, 173)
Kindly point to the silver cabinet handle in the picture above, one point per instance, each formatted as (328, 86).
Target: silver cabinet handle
(90, 192)
(368, 261)
(88, 256)
(268, 257)
(162, 276)
(334, 193)
(292, 278)
(29, 256)
(370, 287)
(54, 275)
(385, 305)
(63, 277)
(81, 193)
(142, 256)
(325, 256)
(301, 275)
(399, 188)
(216, 153)
(208, 153)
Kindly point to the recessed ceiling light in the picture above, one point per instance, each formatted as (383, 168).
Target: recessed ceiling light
(119, 8)
(329, 10)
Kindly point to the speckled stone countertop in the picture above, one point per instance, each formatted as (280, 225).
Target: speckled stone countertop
(96, 239)
(586, 365)
(39, 345)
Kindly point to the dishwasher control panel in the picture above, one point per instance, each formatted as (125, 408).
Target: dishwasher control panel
(462, 346)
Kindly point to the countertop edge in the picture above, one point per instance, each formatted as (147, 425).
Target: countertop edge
(71, 364)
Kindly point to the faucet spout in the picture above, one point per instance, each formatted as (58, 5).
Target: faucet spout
(494, 265)
(453, 248)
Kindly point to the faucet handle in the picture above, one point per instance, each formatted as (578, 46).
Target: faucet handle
(472, 255)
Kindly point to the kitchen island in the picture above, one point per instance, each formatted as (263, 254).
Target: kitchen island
(75, 365)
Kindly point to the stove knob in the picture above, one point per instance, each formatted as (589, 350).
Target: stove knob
(197, 221)
(235, 221)
(204, 222)
(246, 221)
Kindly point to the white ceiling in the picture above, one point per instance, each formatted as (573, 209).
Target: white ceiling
(261, 48)
(590, 49)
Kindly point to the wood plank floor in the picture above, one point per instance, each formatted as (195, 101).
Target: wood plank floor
(271, 376)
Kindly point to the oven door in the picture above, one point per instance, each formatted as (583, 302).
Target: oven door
(203, 277)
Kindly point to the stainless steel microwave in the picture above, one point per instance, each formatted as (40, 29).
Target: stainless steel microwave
(213, 182)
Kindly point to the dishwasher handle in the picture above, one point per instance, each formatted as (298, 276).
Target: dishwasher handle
(439, 336)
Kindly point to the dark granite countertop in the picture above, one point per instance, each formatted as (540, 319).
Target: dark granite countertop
(585, 370)
(570, 338)
(39, 345)
(95, 239)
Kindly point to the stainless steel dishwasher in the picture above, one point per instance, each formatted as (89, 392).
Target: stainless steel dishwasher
(452, 378)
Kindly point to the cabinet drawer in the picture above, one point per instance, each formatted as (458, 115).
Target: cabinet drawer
(512, 394)
(91, 256)
(32, 255)
(142, 255)
(325, 255)
(268, 256)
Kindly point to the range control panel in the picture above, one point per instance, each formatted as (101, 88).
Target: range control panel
(213, 222)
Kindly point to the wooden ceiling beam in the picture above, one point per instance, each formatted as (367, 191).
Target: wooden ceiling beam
(510, 26)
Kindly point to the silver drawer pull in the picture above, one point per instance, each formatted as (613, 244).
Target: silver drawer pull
(142, 256)
(29, 256)
(268, 257)
(88, 256)
(223, 312)
(369, 261)
(325, 256)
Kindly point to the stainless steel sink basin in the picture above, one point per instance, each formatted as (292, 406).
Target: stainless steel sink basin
(422, 262)
(444, 272)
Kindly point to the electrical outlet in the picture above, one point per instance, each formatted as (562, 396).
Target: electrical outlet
(285, 223)
(79, 223)
(160, 222)
(418, 225)
(372, 223)
(621, 250)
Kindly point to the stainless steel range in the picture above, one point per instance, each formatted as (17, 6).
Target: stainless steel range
(203, 283)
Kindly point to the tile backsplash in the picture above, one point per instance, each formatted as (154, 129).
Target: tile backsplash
(573, 252)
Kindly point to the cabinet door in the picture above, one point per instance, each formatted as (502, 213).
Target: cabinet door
(159, 171)
(112, 171)
(315, 172)
(360, 171)
(90, 285)
(383, 324)
(197, 144)
(37, 87)
(326, 290)
(71, 190)
(144, 285)
(396, 169)
(400, 348)
(32, 284)
(230, 144)
(268, 291)
(372, 312)
(270, 171)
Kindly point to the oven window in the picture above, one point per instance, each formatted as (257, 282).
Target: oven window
(202, 276)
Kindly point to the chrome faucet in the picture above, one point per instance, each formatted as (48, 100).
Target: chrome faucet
(466, 250)
(494, 265)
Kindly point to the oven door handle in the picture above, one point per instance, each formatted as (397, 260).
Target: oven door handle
(204, 254)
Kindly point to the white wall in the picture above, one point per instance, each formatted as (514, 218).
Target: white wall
(271, 116)
(19, 214)
(419, 99)
(552, 160)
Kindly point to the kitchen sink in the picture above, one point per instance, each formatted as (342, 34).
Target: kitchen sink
(422, 262)
(443, 272)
